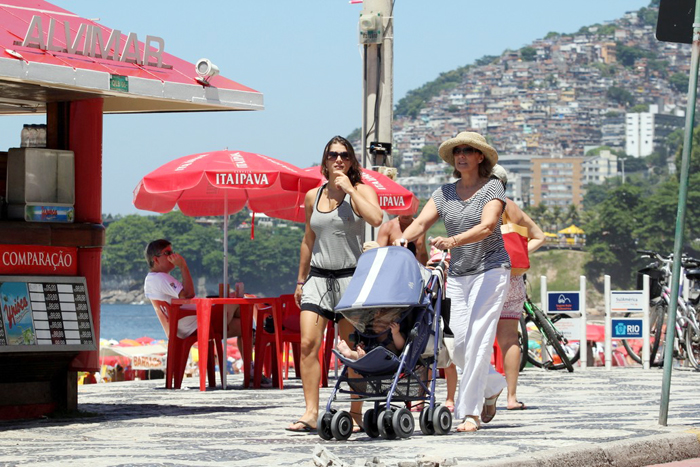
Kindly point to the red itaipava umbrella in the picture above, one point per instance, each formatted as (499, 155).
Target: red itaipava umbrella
(393, 198)
(222, 182)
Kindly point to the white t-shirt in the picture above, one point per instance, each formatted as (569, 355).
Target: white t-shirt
(163, 286)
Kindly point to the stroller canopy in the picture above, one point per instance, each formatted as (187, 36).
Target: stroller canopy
(385, 277)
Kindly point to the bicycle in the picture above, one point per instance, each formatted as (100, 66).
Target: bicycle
(687, 338)
(547, 347)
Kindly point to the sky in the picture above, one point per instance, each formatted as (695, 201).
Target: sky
(306, 60)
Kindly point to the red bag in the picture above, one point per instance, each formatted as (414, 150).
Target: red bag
(515, 240)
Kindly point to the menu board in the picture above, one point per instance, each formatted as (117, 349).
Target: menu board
(45, 313)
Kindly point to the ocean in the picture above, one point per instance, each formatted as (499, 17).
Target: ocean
(129, 322)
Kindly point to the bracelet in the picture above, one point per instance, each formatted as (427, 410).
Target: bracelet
(300, 283)
(455, 242)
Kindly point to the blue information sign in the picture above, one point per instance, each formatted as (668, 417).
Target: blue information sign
(563, 302)
(626, 328)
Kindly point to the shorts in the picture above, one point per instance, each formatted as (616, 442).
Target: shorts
(513, 306)
(316, 296)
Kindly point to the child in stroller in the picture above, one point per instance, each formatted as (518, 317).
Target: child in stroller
(384, 323)
(390, 366)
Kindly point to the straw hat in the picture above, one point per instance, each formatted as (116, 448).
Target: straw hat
(469, 138)
(499, 172)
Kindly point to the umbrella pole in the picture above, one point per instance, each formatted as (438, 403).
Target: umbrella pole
(225, 314)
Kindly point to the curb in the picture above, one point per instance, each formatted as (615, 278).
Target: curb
(649, 450)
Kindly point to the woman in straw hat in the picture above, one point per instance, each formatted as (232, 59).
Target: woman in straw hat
(479, 273)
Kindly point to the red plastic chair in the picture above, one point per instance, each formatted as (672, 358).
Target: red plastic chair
(179, 348)
(274, 358)
(267, 356)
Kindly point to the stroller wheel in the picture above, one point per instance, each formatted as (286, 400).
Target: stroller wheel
(386, 428)
(426, 424)
(323, 424)
(370, 424)
(341, 425)
(403, 423)
(442, 420)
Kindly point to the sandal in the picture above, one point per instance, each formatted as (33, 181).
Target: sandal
(469, 420)
(486, 414)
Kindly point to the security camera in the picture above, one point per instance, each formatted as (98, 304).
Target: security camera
(206, 70)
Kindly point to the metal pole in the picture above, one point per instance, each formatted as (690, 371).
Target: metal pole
(608, 324)
(225, 294)
(680, 219)
(378, 88)
(646, 348)
(583, 344)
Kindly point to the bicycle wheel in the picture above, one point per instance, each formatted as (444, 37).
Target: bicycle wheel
(523, 340)
(554, 343)
(657, 315)
(692, 345)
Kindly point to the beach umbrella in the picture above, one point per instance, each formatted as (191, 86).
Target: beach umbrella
(572, 230)
(222, 183)
(393, 197)
(145, 340)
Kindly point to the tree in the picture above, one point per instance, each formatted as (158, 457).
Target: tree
(640, 108)
(430, 153)
(528, 54)
(657, 231)
(125, 241)
(694, 166)
(610, 239)
(620, 96)
(679, 82)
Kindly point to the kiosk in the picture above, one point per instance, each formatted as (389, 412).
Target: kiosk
(74, 70)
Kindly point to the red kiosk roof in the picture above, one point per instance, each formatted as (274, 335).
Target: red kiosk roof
(48, 54)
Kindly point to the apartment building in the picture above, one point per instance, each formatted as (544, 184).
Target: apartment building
(557, 181)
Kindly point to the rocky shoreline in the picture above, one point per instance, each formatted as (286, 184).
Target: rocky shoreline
(122, 297)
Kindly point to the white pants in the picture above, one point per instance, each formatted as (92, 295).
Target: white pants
(476, 307)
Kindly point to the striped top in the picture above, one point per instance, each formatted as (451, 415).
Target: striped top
(460, 216)
(339, 235)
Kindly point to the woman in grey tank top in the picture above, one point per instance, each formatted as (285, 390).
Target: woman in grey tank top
(335, 220)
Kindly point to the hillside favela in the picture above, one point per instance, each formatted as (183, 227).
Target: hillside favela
(589, 99)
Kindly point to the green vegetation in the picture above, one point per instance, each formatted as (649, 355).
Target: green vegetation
(640, 108)
(267, 265)
(620, 96)
(628, 55)
(528, 54)
(679, 82)
(417, 98)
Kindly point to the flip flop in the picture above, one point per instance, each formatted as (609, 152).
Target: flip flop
(520, 406)
(451, 408)
(417, 407)
(306, 428)
(489, 402)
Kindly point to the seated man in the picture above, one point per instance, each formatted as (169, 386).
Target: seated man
(160, 285)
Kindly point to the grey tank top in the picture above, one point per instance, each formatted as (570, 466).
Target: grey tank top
(339, 235)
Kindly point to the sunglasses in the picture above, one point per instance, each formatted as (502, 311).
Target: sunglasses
(165, 253)
(465, 151)
(333, 155)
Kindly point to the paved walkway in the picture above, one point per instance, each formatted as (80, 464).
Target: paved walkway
(592, 417)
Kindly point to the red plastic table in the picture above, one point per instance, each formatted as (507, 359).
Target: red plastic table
(204, 306)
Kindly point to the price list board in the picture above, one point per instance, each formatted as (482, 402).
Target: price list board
(45, 313)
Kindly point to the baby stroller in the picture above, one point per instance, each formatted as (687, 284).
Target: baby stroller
(389, 284)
